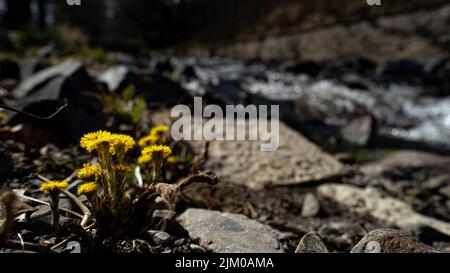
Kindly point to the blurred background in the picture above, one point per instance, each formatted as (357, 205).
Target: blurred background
(344, 72)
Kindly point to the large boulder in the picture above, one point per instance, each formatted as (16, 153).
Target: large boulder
(296, 161)
(47, 90)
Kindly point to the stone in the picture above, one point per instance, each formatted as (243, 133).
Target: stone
(160, 237)
(370, 202)
(358, 131)
(408, 159)
(73, 247)
(46, 90)
(223, 232)
(196, 248)
(311, 243)
(310, 206)
(296, 161)
(341, 234)
(29, 66)
(117, 78)
(390, 241)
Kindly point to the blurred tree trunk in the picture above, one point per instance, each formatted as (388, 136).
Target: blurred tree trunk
(18, 14)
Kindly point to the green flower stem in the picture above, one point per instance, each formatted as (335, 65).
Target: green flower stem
(54, 206)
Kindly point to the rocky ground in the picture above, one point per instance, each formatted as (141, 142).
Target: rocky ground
(363, 162)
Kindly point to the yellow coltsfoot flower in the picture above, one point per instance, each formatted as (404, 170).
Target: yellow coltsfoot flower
(121, 141)
(86, 188)
(91, 141)
(53, 186)
(159, 130)
(121, 168)
(148, 153)
(144, 159)
(89, 171)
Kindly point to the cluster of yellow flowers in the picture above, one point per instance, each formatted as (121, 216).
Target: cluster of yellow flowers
(105, 181)
(106, 144)
(116, 142)
(112, 174)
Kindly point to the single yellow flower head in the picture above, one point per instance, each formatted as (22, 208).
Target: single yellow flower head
(91, 141)
(122, 168)
(173, 159)
(52, 186)
(144, 159)
(161, 150)
(89, 171)
(159, 130)
(87, 188)
(148, 140)
(121, 141)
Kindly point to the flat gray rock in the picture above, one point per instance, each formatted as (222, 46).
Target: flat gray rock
(408, 159)
(296, 161)
(370, 201)
(223, 232)
(390, 241)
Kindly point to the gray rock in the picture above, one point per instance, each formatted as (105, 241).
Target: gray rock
(296, 161)
(29, 66)
(390, 241)
(223, 232)
(310, 206)
(160, 237)
(311, 243)
(47, 89)
(118, 77)
(370, 202)
(196, 248)
(358, 131)
(408, 159)
(342, 235)
(73, 247)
